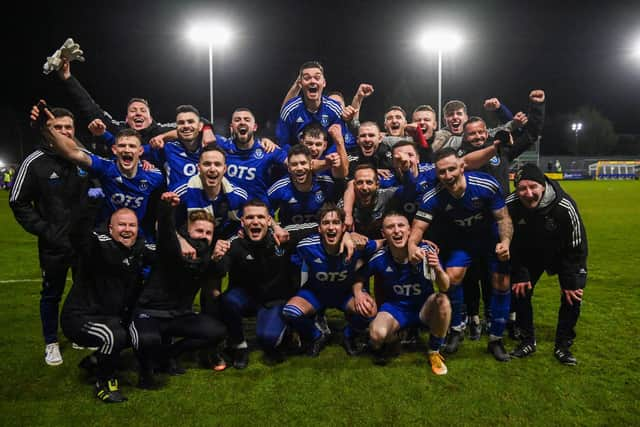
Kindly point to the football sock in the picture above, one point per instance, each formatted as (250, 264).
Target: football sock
(500, 302)
(435, 342)
(303, 324)
(456, 297)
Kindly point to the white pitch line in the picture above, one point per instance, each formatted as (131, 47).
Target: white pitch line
(20, 280)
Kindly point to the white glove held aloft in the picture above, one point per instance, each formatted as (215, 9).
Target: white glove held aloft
(70, 50)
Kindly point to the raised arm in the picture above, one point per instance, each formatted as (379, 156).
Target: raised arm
(293, 91)
(364, 91)
(537, 99)
(503, 114)
(339, 169)
(82, 100)
(168, 242)
(409, 170)
(65, 146)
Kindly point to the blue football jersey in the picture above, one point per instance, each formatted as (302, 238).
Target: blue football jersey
(297, 207)
(402, 284)
(321, 271)
(469, 219)
(250, 169)
(226, 208)
(179, 165)
(123, 192)
(425, 181)
(294, 117)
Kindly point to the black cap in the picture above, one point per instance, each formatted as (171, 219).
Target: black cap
(530, 172)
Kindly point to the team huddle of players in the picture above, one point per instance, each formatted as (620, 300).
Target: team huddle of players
(299, 225)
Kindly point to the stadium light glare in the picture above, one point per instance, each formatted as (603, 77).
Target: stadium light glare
(215, 35)
(576, 127)
(1, 164)
(440, 40)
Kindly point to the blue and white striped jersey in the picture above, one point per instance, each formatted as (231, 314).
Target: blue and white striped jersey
(294, 117)
(123, 192)
(469, 217)
(251, 169)
(321, 271)
(297, 207)
(402, 284)
(179, 165)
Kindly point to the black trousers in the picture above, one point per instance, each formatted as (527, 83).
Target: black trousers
(209, 304)
(567, 314)
(476, 279)
(106, 333)
(153, 337)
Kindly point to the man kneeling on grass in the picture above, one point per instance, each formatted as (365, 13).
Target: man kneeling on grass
(408, 288)
(260, 282)
(97, 310)
(327, 276)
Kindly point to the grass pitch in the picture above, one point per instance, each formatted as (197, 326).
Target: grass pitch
(604, 389)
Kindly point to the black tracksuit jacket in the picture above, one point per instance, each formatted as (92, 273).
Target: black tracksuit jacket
(552, 238)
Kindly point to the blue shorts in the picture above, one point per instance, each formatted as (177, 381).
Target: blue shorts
(406, 316)
(329, 298)
(464, 257)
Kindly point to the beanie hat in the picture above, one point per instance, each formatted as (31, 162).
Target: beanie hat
(530, 172)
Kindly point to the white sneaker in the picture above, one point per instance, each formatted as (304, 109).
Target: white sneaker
(52, 355)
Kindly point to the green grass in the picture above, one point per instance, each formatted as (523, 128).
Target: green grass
(334, 389)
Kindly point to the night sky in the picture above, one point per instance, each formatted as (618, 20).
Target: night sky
(579, 52)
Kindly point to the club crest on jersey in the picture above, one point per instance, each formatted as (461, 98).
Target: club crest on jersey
(279, 251)
(476, 202)
(81, 172)
(460, 152)
(494, 161)
(550, 224)
(144, 185)
(258, 154)
(324, 120)
(319, 196)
